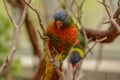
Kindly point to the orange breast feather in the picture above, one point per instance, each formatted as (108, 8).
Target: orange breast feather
(67, 35)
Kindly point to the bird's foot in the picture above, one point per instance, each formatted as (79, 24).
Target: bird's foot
(55, 63)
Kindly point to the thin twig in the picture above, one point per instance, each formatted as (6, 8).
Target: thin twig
(63, 5)
(99, 59)
(23, 16)
(10, 56)
(102, 39)
(109, 12)
(43, 37)
(77, 72)
(97, 41)
(8, 13)
(86, 53)
(38, 14)
(89, 50)
(79, 19)
(73, 2)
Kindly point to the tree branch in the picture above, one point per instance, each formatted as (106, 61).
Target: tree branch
(9, 15)
(110, 34)
(109, 12)
(38, 14)
(9, 58)
(40, 69)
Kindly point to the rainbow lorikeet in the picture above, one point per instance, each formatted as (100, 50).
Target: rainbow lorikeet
(65, 37)
(77, 52)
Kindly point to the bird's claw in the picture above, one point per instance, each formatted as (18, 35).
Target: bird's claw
(55, 63)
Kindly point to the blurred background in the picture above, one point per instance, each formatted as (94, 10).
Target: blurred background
(24, 64)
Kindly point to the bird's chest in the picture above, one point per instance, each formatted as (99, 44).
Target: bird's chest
(63, 40)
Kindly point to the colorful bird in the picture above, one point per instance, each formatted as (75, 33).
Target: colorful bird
(64, 38)
(77, 52)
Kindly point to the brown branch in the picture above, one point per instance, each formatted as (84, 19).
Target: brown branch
(40, 71)
(110, 34)
(99, 58)
(62, 4)
(86, 53)
(78, 71)
(38, 14)
(109, 12)
(107, 8)
(33, 38)
(32, 34)
(8, 13)
(35, 47)
(9, 58)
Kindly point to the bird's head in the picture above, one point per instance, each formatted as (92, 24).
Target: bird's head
(62, 19)
(75, 58)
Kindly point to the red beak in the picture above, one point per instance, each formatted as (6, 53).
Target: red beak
(58, 24)
(73, 66)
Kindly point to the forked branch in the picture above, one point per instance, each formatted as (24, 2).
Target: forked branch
(109, 34)
(109, 12)
(17, 27)
(38, 14)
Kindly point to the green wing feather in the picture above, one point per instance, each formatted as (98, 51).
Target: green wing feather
(77, 52)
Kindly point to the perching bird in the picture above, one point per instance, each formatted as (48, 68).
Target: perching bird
(77, 52)
(64, 38)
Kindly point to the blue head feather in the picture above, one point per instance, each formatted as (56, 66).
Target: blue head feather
(75, 57)
(60, 15)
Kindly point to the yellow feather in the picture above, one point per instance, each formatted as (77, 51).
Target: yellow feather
(80, 51)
